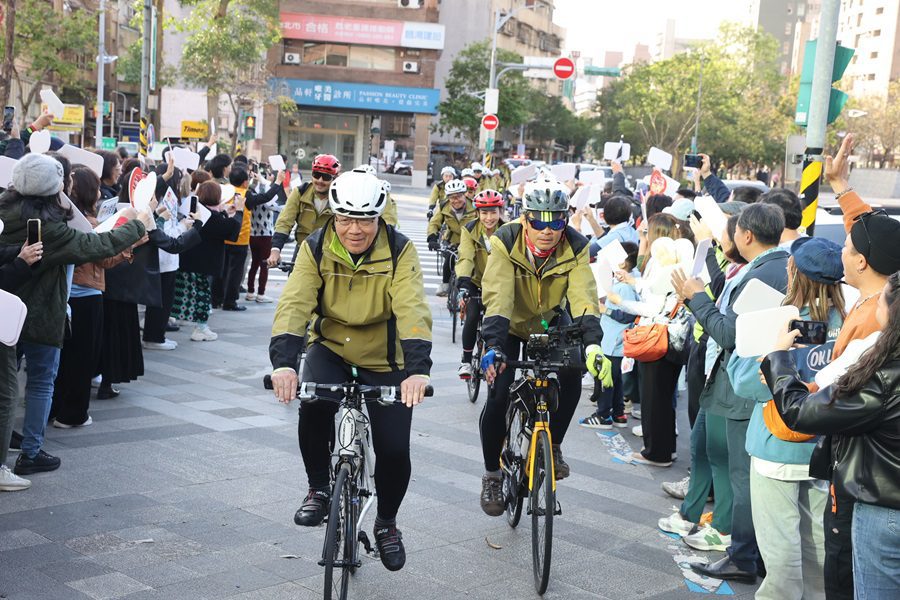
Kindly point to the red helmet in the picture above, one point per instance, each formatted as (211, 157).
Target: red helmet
(326, 163)
(470, 182)
(488, 199)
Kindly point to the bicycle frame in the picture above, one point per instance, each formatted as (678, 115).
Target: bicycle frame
(540, 425)
(353, 444)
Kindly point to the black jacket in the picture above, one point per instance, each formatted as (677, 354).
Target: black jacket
(13, 270)
(865, 428)
(208, 257)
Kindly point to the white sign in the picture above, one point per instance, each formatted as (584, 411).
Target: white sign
(144, 192)
(110, 223)
(186, 159)
(107, 209)
(659, 158)
(78, 221)
(712, 215)
(616, 151)
(54, 104)
(756, 296)
(581, 197)
(6, 168)
(155, 152)
(522, 174)
(613, 253)
(79, 156)
(39, 142)
(595, 176)
(603, 275)
(564, 172)
(757, 332)
(276, 162)
(700, 257)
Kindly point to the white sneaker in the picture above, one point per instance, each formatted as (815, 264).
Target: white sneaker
(95, 382)
(638, 430)
(166, 345)
(465, 370)
(59, 425)
(707, 538)
(263, 299)
(203, 334)
(636, 411)
(677, 489)
(250, 297)
(587, 381)
(443, 290)
(10, 482)
(675, 524)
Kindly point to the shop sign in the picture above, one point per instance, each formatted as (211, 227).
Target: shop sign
(373, 32)
(385, 98)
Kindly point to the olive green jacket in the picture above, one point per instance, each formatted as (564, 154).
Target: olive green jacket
(517, 297)
(373, 315)
(473, 254)
(299, 210)
(454, 226)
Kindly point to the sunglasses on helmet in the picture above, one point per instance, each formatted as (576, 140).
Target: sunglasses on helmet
(862, 220)
(322, 176)
(555, 225)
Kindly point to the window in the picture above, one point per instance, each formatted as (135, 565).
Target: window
(879, 10)
(876, 33)
(337, 55)
(372, 57)
(859, 19)
(871, 77)
(873, 55)
(788, 28)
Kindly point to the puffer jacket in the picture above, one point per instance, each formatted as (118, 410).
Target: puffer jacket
(865, 427)
(446, 216)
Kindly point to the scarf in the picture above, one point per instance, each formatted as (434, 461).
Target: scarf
(538, 253)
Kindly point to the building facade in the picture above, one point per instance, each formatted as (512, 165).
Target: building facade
(791, 23)
(358, 72)
(872, 28)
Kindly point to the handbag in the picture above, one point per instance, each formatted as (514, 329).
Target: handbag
(648, 343)
(14, 312)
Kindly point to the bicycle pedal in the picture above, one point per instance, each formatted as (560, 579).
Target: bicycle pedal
(363, 538)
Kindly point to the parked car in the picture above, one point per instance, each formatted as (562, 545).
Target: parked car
(403, 166)
(754, 183)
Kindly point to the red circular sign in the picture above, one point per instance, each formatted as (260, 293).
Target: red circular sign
(490, 122)
(564, 68)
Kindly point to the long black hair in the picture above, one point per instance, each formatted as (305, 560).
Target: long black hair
(885, 349)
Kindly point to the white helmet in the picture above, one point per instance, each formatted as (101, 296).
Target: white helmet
(448, 170)
(455, 186)
(476, 166)
(365, 169)
(545, 195)
(386, 185)
(467, 173)
(357, 195)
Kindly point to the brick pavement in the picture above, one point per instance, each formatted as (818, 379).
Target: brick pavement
(186, 484)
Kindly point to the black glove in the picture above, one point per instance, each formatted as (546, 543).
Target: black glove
(465, 284)
(430, 213)
(433, 244)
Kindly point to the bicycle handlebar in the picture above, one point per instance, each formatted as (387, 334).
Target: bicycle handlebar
(309, 391)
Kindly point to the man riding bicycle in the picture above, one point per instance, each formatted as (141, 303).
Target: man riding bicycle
(358, 287)
(307, 206)
(455, 212)
(474, 247)
(438, 191)
(539, 271)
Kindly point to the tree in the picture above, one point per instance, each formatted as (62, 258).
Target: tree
(226, 52)
(878, 131)
(470, 75)
(46, 46)
(129, 66)
(9, 35)
(745, 113)
(551, 122)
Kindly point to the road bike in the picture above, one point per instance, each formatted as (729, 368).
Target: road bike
(526, 460)
(473, 383)
(448, 253)
(353, 480)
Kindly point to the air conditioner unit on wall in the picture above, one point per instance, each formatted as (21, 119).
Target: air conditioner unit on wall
(292, 58)
(410, 3)
(410, 66)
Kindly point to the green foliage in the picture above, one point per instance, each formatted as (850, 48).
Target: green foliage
(745, 108)
(470, 74)
(46, 45)
(551, 121)
(877, 132)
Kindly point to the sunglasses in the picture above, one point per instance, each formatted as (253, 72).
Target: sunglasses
(862, 219)
(322, 176)
(555, 225)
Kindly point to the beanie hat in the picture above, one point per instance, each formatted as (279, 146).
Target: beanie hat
(875, 235)
(819, 259)
(37, 175)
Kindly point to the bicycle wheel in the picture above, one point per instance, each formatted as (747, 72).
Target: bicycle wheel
(474, 382)
(337, 555)
(513, 468)
(543, 505)
(453, 316)
(439, 266)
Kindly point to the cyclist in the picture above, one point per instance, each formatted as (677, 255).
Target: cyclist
(471, 188)
(455, 212)
(438, 193)
(390, 211)
(539, 271)
(307, 207)
(482, 179)
(382, 329)
(474, 247)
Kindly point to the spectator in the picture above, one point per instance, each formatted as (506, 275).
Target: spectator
(861, 413)
(37, 181)
(193, 298)
(789, 203)
(262, 228)
(219, 166)
(226, 289)
(617, 214)
(109, 179)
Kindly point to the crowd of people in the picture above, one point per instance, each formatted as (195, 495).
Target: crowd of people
(798, 457)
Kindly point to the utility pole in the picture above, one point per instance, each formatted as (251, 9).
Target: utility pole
(820, 97)
(101, 72)
(695, 139)
(9, 17)
(145, 58)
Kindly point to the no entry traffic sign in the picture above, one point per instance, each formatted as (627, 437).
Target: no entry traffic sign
(490, 122)
(564, 68)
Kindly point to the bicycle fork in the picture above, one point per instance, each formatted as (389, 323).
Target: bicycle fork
(540, 426)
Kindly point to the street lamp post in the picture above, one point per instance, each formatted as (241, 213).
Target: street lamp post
(694, 140)
(101, 71)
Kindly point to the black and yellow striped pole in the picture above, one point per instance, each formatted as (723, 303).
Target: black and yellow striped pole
(809, 187)
(489, 161)
(144, 142)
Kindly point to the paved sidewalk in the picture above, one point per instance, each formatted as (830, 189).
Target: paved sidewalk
(185, 488)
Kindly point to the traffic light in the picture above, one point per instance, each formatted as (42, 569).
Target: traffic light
(838, 98)
(249, 126)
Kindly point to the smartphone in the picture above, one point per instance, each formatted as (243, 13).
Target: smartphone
(811, 332)
(693, 161)
(193, 203)
(9, 113)
(34, 231)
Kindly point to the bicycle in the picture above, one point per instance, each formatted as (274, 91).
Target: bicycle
(526, 460)
(449, 253)
(473, 383)
(353, 481)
